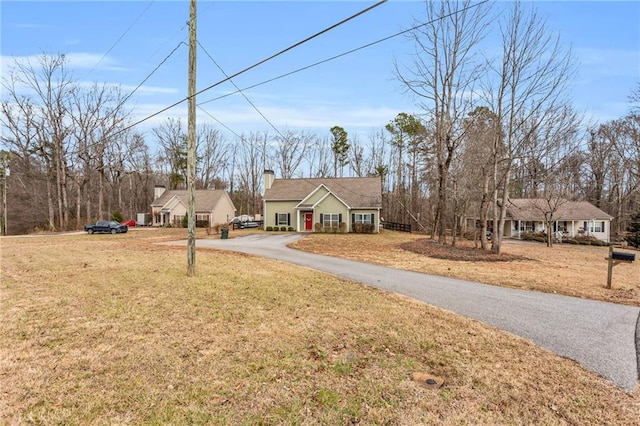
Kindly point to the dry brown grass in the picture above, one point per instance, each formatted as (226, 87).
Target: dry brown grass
(108, 329)
(572, 270)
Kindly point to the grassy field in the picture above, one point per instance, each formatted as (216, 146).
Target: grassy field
(107, 329)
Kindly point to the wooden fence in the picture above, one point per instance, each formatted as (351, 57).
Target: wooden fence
(394, 226)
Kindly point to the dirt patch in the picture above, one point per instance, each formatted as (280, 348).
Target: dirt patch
(430, 248)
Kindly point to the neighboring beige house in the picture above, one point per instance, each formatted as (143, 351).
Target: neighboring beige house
(212, 206)
(572, 218)
(302, 203)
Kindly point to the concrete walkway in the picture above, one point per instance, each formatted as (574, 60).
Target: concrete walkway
(602, 337)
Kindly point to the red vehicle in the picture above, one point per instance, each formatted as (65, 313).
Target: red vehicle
(129, 223)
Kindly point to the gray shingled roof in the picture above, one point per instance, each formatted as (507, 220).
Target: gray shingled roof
(206, 199)
(533, 210)
(355, 192)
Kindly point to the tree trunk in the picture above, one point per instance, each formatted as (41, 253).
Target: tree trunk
(442, 203)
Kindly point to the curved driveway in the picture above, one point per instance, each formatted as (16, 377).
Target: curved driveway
(601, 336)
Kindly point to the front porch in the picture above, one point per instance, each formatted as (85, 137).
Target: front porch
(561, 228)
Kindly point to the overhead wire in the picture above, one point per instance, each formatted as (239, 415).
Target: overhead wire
(340, 55)
(153, 71)
(348, 52)
(253, 66)
(220, 122)
(297, 70)
(186, 25)
(122, 36)
(239, 91)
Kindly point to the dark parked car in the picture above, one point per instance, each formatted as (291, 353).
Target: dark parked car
(106, 227)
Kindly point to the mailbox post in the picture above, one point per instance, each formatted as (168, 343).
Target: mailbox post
(616, 258)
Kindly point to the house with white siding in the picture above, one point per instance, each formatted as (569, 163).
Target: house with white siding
(570, 218)
(169, 207)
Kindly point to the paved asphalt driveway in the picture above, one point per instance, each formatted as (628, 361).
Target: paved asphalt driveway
(602, 337)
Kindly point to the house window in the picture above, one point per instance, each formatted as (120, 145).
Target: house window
(202, 220)
(594, 226)
(363, 218)
(331, 220)
(526, 226)
(282, 219)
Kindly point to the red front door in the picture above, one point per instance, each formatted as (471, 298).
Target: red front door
(308, 221)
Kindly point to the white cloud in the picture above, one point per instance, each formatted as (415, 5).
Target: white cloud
(356, 120)
(151, 90)
(610, 61)
(92, 60)
(76, 60)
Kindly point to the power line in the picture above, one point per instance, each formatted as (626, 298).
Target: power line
(152, 72)
(340, 55)
(238, 90)
(254, 65)
(241, 92)
(220, 122)
(299, 69)
(186, 24)
(121, 103)
(122, 35)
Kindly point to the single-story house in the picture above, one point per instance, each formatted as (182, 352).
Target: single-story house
(305, 204)
(571, 218)
(212, 206)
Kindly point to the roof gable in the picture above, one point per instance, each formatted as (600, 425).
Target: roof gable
(308, 200)
(172, 203)
(206, 199)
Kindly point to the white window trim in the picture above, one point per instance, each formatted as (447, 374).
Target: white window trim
(328, 221)
(365, 218)
(280, 222)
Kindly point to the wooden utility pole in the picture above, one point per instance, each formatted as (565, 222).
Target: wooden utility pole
(191, 146)
(4, 161)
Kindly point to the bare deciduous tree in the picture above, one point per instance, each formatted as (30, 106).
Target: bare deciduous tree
(290, 150)
(212, 155)
(442, 78)
(527, 90)
(251, 163)
(173, 141)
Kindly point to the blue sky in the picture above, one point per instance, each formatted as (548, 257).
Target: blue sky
(358, 92)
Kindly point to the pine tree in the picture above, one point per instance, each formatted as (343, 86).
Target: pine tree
(633, 231)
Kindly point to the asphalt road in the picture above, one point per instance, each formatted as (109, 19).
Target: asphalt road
(602, 337)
